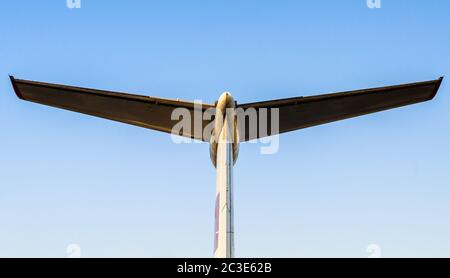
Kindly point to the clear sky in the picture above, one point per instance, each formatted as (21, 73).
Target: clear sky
(122, 191)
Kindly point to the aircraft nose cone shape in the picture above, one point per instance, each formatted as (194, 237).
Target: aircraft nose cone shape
(226, 100)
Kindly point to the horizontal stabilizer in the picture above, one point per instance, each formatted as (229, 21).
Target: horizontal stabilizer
(302, 112)
(149, 112)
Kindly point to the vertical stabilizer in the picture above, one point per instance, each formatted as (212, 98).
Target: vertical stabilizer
(224, 228)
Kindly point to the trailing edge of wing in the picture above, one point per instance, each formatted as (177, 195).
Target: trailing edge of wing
(302, 112)
(149, 112)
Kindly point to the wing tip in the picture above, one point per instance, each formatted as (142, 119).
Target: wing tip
(437, 86)
(16, 89)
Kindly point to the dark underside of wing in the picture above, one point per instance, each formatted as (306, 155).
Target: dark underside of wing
(302, 112)
(143, 111)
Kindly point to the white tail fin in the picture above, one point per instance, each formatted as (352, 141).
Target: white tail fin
(224, 228)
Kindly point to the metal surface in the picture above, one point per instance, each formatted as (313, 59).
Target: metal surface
(155, 113)
(148, 112)
(224, 237)
(302, 112)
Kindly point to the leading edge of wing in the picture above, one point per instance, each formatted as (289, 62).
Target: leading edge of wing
(296, 100)
(127, 96)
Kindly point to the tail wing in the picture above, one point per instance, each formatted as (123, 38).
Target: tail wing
(302, 112)
(149, 112)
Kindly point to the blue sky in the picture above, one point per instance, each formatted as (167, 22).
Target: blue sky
(122, 191)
